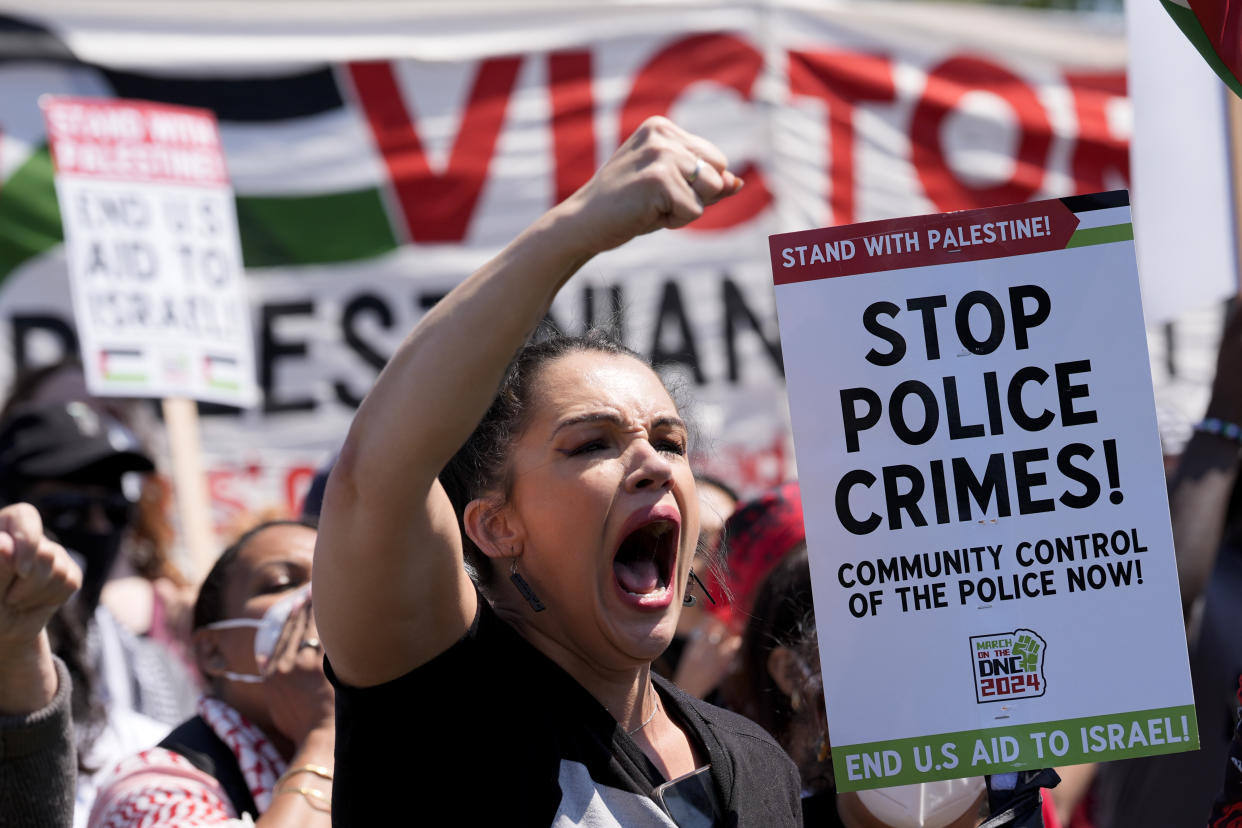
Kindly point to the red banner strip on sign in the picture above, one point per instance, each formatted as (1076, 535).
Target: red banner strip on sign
(134, 141)
(918, 241)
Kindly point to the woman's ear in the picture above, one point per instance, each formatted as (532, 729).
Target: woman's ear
(493, 527)
(787, 670)
(207, 653)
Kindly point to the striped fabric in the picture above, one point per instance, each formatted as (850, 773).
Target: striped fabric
(161, 789)
(138, 672)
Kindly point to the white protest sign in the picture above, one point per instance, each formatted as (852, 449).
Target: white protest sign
(152, 248)
(995, 584)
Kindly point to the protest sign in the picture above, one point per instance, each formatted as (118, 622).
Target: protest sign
(152, 247)
(995, 584)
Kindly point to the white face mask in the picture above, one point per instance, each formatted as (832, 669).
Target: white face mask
(267, 631)
(925, 805)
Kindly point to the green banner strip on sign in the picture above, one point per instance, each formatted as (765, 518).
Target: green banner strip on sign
(1101, 235)
(29, 214)
(321, 229)
(1014, 748)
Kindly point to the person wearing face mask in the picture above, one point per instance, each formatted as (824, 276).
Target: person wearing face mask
(146, 591)
(71, 462)
(262, 741)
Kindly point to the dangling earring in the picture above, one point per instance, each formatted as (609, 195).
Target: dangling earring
(689, 600)
(524, 588)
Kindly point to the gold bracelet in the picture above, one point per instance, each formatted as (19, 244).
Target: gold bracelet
(310, 794)
(318, 770)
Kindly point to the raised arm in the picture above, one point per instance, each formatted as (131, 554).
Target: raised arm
(390, 588)
(37, 771)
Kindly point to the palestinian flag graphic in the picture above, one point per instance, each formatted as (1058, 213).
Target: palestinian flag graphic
(221, 371)
(1215, 29)
(123, 365)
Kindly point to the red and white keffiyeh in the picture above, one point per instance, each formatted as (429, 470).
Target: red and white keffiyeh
(158, 788)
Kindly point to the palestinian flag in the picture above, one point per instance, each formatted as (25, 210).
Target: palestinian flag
(300, 154)
(1215, 29)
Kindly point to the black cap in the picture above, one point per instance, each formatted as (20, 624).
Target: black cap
(67, 440)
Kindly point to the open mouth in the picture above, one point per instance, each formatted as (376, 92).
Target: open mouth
(644, 562)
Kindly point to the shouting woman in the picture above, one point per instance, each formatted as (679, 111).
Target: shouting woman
(556, 474)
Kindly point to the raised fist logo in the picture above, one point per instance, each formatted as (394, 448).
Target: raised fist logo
(1027, 647)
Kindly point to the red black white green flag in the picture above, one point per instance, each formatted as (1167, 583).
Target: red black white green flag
(1215, 29)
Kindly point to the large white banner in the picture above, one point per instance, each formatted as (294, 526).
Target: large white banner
(381, 153)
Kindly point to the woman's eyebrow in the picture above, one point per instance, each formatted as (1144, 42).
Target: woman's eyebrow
(281, 563)
(671, 422)
(594, 417)
(615, 420)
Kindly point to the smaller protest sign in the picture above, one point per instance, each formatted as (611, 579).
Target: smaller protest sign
(983, 490)
(151, 242)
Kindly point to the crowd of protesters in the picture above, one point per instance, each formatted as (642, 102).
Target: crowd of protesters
(526, 607)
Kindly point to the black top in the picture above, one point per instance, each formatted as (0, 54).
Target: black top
(492, 732)
(819, 810)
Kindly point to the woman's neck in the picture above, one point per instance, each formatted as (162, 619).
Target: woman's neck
(625, 691)
(629, 697)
